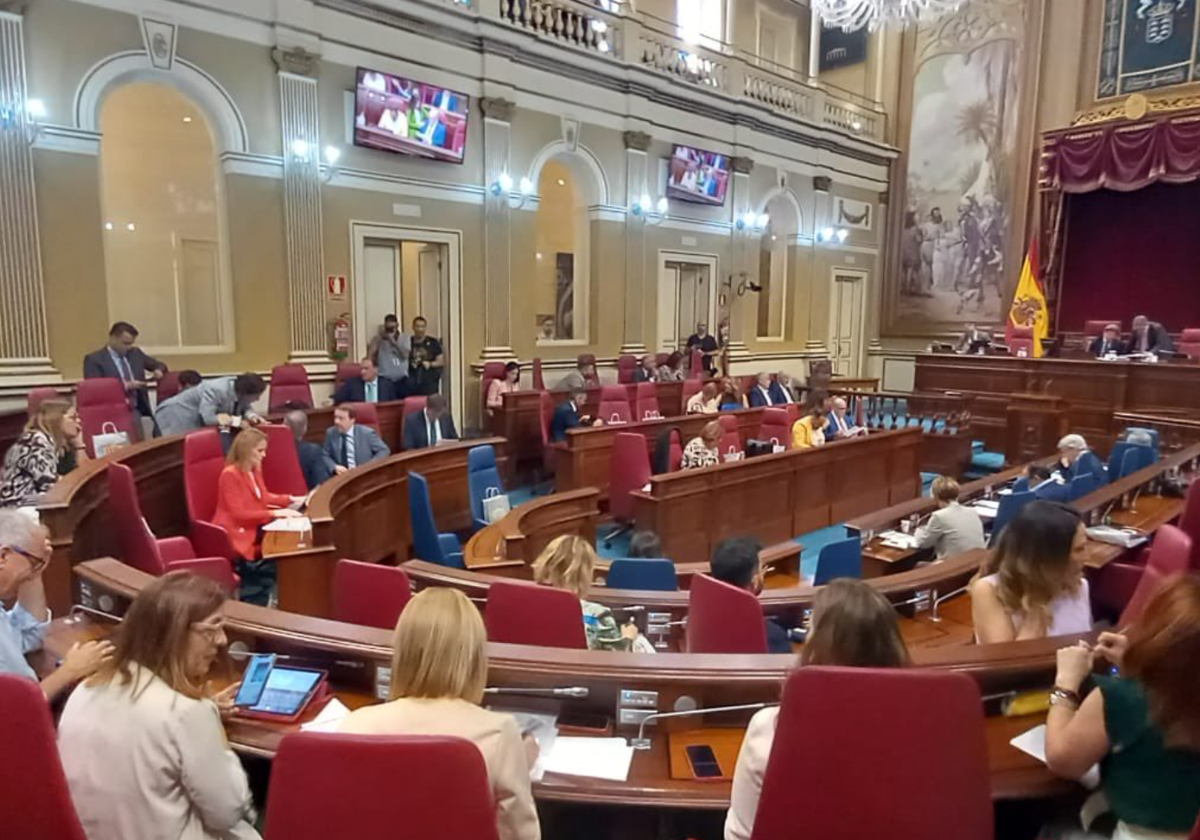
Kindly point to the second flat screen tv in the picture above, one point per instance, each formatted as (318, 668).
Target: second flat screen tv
(697, 175)
(394, 114)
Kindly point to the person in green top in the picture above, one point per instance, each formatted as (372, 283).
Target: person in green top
(569, 562)
(1143, 727)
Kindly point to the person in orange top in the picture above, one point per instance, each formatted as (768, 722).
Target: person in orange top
(244, 504)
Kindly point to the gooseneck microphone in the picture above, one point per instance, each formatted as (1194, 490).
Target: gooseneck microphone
(577, 692)
(241, 651)
(641, 742)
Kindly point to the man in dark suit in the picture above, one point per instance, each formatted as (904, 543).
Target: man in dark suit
(781, 390)
(349, 445)
(313, 463)
(736, 562)
(1150, 337)
(1075, 459)
(646, 371)
(973, 340)
(568, 415)
(122, 359)
(760, 394)
(1109, 343)
(368, 386)
(429, 426)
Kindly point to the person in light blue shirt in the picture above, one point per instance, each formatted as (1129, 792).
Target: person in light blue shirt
(24, 555)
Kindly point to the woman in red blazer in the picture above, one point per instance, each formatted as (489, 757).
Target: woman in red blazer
(244, 504)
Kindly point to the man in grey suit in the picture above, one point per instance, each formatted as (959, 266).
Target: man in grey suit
(952, 529)
(209, 401)
(122, 359)
(349, 445)
(1149, 337)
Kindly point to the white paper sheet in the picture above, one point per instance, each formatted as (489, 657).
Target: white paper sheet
(329, 718)
(1033, 743)
(596, 758)
(898, 539)
(296, 524)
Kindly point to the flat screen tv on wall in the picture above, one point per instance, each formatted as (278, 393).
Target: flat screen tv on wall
(398, 115)
(697, 175)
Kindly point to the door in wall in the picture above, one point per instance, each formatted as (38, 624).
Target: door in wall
(845, 337)
(685, 299)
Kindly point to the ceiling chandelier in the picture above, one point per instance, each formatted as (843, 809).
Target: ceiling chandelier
(850, 15)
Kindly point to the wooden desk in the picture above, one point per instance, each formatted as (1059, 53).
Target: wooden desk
(352, 654)
(776, 497)
(586, 456)
(1094, 389)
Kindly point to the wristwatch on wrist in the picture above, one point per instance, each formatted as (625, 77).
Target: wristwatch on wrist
(1061, 696)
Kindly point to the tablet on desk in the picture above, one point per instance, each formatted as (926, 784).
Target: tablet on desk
(286, 695)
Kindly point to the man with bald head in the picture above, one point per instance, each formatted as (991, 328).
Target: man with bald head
(841, 427)
(313, 463)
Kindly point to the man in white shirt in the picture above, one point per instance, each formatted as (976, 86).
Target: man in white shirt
(430, 426)
(24, 555)
(840, 426)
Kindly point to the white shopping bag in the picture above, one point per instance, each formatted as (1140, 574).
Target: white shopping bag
(495, 505)
(110, 439)
(733, 455)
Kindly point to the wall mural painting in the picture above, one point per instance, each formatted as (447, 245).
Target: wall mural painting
(1147, 44)
(962, 170)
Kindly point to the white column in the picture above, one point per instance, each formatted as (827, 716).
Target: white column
(638, 181)
(302, 206)
(497, 226)
(24, 348)
(814, 46)
(744, 250)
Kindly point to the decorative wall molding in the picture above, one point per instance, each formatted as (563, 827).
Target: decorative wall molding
(851, 213)
(64, 138)
(159, 38)
(495, 108)
(298, 62)
(583, 161)
(637, 141)
(822, 183)
(742, 165)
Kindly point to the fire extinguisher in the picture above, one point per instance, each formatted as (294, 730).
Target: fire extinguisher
(341, 336)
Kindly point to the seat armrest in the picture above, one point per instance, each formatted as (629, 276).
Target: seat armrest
(211, 541)
(176, 548)
(215, 568)
(1113, 587)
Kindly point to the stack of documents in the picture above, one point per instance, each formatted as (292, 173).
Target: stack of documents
(987, 508)
(898, 539)
(1124, 537)
(1033, 743)
(597, 758)
(294, 524)
(329, 719)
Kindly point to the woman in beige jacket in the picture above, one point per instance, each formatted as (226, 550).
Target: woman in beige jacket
(142, 742)
(439, 669)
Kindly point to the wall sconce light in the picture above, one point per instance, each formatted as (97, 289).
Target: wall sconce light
(503, 186)
(326, 164)
(26, 116)
(332, 155)
(649, 211)
(752, 222)
(300, 150)
(831, 234)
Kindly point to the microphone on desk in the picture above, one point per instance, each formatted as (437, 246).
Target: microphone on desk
(240, 651)
(641, 742)
(577, 692)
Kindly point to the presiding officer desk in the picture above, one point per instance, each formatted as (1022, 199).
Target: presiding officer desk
(352, 655)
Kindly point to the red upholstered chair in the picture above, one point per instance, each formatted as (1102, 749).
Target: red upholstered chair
(411, 406)
(1189, 343)
(1020, 342)
(549, 453)
(290, 388)
(691, 387)
(369, 593)
(367, 414)
(628, 470)
(675, 461)
(1170, 555)
(168, 386)
(793, 414)
(491, 370)
(1095, 329)
(203, 460)
(626, 365)
(378, 787)
(731, 439)
(38, 396)
(281, 466)
(539, 382)
(525, 614)
(103, 405)
(646, 402)
(723, 619)
(142, 550)
(346, 370)
(660, 359)
(614, 405)
(923, 784)
(775, 427)
(35, 803)
(1189, 522)
(696, 365)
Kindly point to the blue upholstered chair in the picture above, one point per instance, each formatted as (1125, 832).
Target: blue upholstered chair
(653, 574)
(1152, 432)
(1081, 485)
(482, 476)
(838, 560)
(1009, 505)
(428, 544)
(1052, 491)
(1021, 485)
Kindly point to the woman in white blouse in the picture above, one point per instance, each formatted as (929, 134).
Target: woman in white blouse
(439, 669)
(142, 741)
(853, 626)
(703, 450)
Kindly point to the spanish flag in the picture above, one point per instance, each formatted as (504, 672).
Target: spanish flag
(1029, 303)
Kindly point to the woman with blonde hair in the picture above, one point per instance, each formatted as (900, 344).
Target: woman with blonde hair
(704, 449)
(569, 562)
(51, 446)
(142, 742)
(1033, 584)
(439, 669)
(244, 505)
(852, 626)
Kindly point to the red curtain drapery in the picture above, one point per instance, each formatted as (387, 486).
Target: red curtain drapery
(1122, 156)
